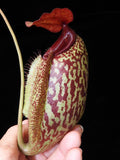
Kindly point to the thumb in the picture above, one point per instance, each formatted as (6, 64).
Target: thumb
(10, 137)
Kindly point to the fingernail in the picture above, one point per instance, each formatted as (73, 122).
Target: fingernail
(82, 128)
(79, 128)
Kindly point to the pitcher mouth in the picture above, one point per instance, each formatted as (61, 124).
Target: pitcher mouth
(63, 43)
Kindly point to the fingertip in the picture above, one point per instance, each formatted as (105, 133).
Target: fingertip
(25, 130)
(25, 121)
(79, 128)
(11, 131)
(10, 137)
(82, 128)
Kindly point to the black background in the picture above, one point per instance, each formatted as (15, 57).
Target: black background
(98, 24)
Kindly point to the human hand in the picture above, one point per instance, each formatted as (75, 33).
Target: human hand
(67, 149)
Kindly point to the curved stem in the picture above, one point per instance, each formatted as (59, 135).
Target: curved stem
(20, 139)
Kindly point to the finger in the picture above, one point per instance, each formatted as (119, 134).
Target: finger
(75, 153)
(77, 128)
(25, 130)
(10, 137)
(8, 144)
(70, 141)
(49, 152)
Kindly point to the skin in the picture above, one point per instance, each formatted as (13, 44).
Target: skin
(67, 149)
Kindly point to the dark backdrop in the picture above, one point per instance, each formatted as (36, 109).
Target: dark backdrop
(95, 23)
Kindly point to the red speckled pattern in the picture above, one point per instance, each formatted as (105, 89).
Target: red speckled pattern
(66, 96)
